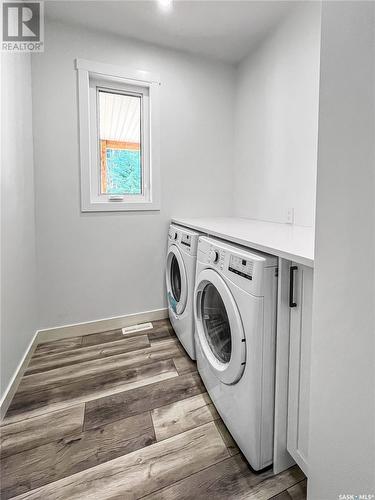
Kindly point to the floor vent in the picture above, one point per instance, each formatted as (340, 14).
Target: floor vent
(137, 328)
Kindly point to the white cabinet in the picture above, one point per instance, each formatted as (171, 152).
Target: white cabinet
(300, 327)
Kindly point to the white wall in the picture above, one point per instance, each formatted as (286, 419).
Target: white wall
(100, 265)
(18, 261)
(277, 121)
(342, 449)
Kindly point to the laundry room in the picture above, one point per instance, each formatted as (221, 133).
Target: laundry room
(187, 207)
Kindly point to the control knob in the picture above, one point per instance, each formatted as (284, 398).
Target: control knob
(215, 256)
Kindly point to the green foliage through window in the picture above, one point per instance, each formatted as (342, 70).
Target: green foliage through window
(124, 173)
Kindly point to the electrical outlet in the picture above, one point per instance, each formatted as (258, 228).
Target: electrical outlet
(290, 216)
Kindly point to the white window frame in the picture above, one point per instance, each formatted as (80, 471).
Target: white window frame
(93, 76)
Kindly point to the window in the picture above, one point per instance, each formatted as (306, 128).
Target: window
(119, 138)
(120, 142)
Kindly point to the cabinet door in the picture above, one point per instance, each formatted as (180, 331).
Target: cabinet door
(301, 286)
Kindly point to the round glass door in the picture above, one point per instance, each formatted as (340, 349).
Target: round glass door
(175, 279)
(177, 286)
(216, 324)
(220, 333)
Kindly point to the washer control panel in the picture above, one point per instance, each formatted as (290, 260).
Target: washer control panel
(186, 239)
(241, 266)
(173, 234)
(183, 238)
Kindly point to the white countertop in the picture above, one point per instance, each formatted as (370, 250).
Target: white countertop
(291, 242)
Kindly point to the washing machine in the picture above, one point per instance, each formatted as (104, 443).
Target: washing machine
(180, 278)
(235, 302)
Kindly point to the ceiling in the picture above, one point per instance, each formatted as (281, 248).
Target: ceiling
(225, 29)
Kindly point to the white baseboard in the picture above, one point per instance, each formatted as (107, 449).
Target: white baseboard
(74, 330)
(15, 380)
(100, 325)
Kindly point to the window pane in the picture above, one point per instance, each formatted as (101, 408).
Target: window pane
(120, 143)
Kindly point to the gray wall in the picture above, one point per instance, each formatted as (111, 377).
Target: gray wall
(18, 261)
(277, 121)
(342, 439)
(100, 265)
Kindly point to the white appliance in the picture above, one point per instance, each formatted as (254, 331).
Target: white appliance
(180, 277)
(235, 313)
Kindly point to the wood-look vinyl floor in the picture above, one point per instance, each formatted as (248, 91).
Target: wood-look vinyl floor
(108, 416)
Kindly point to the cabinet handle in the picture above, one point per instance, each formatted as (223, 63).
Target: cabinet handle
(291, 286)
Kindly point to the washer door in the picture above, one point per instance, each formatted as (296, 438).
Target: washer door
(176, 280)
(219, 327)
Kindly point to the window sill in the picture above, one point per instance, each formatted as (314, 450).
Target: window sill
(117, 206)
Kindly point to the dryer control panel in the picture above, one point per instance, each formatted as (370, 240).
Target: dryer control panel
(242, 267)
